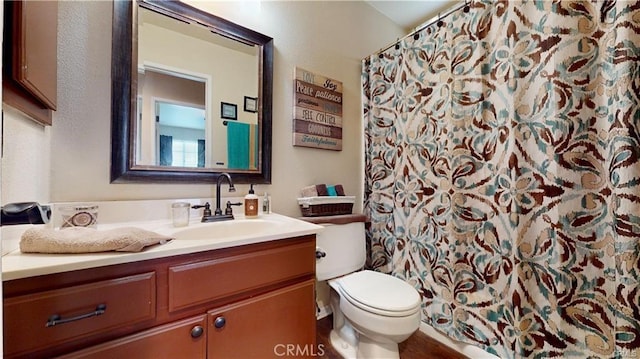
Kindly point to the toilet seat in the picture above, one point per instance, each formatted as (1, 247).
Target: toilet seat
(379, 293)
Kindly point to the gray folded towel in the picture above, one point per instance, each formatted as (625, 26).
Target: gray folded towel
(88, 240)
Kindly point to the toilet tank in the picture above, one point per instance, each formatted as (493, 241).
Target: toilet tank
(343, 243)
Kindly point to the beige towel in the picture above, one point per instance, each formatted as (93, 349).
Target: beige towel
(88, 240)
(309, 191)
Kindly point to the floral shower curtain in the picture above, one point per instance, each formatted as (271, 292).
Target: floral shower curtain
(502, 179)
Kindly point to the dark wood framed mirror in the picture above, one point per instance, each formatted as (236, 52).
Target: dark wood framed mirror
(153, 150)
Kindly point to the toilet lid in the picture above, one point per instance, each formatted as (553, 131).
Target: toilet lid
(380, 291)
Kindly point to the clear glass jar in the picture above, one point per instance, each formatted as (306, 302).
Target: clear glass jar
(180, 213)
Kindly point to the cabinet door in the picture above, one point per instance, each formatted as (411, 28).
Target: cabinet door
(266, 326)
(183, 339)
(35, 51)
(29, 59)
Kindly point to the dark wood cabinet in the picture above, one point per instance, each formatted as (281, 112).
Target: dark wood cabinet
(30, 58)
(170, 307)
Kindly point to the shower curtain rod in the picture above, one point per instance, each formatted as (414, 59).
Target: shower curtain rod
(467, 4)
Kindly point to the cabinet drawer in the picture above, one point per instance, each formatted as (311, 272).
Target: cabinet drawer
(184, 339)
(28, 322)
(207, 281)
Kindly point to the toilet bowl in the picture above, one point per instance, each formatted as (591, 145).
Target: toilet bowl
(381, 309)
(372, 311)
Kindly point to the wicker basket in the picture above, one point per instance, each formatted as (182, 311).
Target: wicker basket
(326, 206)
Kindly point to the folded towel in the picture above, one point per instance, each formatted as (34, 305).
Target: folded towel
(339, 190)
(309, 191)
(322, 190)
(88, 240)
(331, 191)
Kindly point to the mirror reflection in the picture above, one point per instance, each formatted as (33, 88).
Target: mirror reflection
(192, 95)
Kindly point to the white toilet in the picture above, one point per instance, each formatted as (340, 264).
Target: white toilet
(372, 311)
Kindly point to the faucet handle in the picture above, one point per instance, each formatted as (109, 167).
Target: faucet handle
(229, 210)
(206, 206)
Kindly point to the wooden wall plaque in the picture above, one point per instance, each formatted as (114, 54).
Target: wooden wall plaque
(317, 111)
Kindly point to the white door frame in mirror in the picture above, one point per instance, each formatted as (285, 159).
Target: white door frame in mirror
(149, 148)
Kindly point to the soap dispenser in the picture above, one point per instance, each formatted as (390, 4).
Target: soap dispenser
(251, 204)
(266, 206)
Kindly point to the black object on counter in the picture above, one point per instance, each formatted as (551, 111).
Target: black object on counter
(25, 213)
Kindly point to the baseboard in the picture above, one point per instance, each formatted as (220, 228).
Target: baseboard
(463, 348)
(323, 312)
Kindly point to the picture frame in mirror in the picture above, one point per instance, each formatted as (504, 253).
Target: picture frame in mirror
(228, 111)
(250, 104)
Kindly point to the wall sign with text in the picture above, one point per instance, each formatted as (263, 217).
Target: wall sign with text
(317, 111)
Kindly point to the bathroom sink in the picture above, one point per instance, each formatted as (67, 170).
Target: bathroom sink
(229, 229)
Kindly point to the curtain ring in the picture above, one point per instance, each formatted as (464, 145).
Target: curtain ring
(440, 22)
(466, 6)
(416, 36)
(398, 44)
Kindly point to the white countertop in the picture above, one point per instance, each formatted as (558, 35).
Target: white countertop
(16, 265)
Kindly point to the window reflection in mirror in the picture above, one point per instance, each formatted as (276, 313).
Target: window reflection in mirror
(180, 135)
(189, 67)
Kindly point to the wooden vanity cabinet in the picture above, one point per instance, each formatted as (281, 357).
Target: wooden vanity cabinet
(243, 302)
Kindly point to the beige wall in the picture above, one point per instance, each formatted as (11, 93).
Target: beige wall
(70, 160)
(25, 159)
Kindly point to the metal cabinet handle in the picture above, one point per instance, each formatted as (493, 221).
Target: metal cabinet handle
(57, 319)
(219, 322)
(320, 254)
(197, 331)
